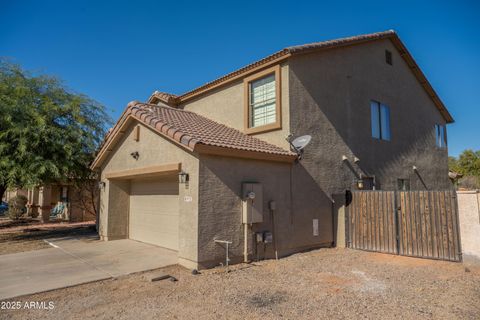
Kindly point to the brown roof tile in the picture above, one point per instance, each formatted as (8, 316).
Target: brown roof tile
(339, 42)
(194, 132)
(305, 48)
(167, 98)
(189, 129)
(292, 50)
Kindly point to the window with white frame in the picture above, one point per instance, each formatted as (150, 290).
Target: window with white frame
(380, 119)
(441, 136)
(262, 101)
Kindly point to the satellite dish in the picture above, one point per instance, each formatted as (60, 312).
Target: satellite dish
(301, 142)
(298, 144)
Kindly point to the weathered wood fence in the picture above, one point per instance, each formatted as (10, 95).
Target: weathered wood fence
(411, 223)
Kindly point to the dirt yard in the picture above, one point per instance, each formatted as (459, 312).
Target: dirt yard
(28, 234)
(327, 283)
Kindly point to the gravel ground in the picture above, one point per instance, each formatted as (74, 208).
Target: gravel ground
(326, 283)
(28, 234)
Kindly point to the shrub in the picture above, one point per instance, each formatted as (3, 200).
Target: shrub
(17, 207)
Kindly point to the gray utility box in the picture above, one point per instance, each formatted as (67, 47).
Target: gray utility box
(252, 203)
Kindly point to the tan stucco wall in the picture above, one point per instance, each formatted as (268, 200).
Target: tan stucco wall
(215, 211)
(326, 95)
(114, 198)
(469, 216)
(330, 94)
(220, 211)
(118, 204)
(226, 105)
(339, 208)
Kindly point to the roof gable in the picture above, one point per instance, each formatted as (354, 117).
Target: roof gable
(284, 54)
(192, 132)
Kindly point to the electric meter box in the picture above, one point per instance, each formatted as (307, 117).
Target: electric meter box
(252, 203)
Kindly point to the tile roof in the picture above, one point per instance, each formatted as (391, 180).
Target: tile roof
(193, 132)
(167, 98)
(286, 52)
(305, 48)
(339, 42)
(190, 129)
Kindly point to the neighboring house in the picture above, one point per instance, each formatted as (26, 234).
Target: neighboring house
(179, 171)
(60, 202)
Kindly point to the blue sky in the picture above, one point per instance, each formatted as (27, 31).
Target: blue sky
(118, 51)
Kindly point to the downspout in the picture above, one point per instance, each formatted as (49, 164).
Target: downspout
(291, 194)
(334, 225)
(245, 245)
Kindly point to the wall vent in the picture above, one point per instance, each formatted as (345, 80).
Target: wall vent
(388, 57)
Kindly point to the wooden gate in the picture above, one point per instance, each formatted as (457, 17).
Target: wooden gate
(411, 223)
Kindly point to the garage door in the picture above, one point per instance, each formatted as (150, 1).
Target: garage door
(154, 211)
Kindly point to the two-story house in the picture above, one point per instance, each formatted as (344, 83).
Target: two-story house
(190, 171)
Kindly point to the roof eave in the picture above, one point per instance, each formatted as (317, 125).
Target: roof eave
(175, 136)
(405, 54)
(119, 129)
(245, 154)
(267, 62)
(338, 43)
(284, 54)
(116, 130)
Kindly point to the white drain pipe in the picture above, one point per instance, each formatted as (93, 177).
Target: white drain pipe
(227, 243)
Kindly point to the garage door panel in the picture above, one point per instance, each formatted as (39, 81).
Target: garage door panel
(154, 203)
(164, 240)
(166, 224)
(165, 186)
(154, 207)
(164, 191)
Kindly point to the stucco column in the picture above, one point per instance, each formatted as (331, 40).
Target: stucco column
(469, 218)
(118, 207)
(45, 201)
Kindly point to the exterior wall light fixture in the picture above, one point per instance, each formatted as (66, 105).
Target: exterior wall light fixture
(101, 184)
(183, 177)
(360, 184)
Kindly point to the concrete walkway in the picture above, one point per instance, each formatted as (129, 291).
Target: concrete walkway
(71, 262)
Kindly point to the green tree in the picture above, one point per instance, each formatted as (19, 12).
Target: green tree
(469, 163)
(47, 133)
(453, 164)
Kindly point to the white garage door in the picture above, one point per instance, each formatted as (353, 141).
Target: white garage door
(154, 211)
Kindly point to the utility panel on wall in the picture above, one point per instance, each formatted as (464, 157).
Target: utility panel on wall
(252, 203)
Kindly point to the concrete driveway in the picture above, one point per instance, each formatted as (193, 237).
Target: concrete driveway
(71, 262)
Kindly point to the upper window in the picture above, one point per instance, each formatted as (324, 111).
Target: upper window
(262, 109)
(380, 118)
(262, 101)
(441, 136)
